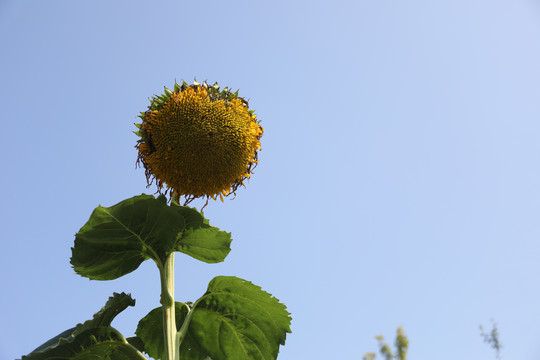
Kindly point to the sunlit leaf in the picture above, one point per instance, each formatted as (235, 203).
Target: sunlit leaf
(235, 319)
(117, 239)
(200, 240)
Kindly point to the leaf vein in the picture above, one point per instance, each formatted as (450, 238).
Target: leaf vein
(131, 231)
(246, 298)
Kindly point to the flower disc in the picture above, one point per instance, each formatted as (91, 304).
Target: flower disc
(198, 141)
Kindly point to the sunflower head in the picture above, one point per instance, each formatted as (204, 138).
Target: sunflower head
(198, 141)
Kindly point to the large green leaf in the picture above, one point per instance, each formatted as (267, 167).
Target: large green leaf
(104, 317)
(117, 239)
(103, 343)
(236, 319)
(114, 306)
(200, 240)
(150, 332)
(83, 340)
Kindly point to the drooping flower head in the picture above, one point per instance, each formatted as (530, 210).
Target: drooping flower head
(198, 141)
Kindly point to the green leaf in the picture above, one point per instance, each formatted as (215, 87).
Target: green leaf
(102, 319)
(114, 306)
(200, 240)
(235, 319)
(117, 239)
(98, 343)
(55, 341)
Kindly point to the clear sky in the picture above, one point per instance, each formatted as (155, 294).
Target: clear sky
(399, 181)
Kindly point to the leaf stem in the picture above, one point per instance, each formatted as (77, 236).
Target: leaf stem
(167, 302)
(183, 330)
(141, 356)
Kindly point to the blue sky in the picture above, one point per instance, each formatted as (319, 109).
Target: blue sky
(398, 182)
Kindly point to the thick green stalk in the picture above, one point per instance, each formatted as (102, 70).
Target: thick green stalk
(167, 303)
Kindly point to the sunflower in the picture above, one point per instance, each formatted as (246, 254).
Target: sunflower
(198, 141)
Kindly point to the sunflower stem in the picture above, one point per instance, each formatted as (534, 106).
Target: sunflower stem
(167, 302)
